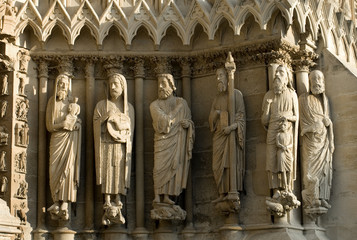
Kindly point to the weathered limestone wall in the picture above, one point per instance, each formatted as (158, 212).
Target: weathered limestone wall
(341, 87)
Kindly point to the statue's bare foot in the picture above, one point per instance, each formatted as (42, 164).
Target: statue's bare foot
(64, 211)
(156, 199)
(219, 199)
(276, 194)
(168, 200)
(54, 208)
(325, 204)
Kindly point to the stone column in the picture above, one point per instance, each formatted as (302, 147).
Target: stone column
(140, 231)
(189, 230)
(89, 197)
(41, 230)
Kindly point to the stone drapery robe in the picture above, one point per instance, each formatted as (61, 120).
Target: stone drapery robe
(221, 146)
(65, 153)
(316, 146)
(284, 104)
(112, 158)
(173, 146)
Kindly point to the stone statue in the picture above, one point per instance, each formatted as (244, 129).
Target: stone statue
(65, 149)
(22, 190)
(24, 59)
(4, 136)
(4, 182)
(113, 124)
(3, 161)
(72, 116)
(317, 144)
(21, 89)
(5, 85)
(173, 142)
(22, 108)
(220, 125)
(280, 118)
(3, 108)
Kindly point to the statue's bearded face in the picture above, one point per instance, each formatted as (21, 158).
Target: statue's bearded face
(165, 89)
(221, 80)
(280, 80)
(62, 87)
(317, 83)
(116, 89)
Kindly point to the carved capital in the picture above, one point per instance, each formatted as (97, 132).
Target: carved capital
(139, 69)
(279, 56)
(304, 60)
(42, 69)
(113, 65)
(89, 69)
(65, 66)
(186, 67)
(162, 65)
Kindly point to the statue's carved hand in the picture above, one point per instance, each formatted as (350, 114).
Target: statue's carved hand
(327, 121)
(185, 123)
(229, 129)
(269, 101)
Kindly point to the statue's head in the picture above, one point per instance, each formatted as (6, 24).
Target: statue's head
(116, 85)
(317, 82)
(284, 125)
(221, 75)
(112, 212)
(63, 82)
(166, 85)
(281, 79)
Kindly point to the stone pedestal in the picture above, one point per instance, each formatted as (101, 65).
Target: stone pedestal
(165, 231)
(273, 232)
(189, 232)
(140, 233)
(231, 230)
(311, 230)
(88, 234)
(63, 233)
(115, 232)
(40, 234)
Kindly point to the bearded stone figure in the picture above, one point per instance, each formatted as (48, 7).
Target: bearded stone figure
(317, 145)
(219, 125)
(280, 118)
(65, 149)
(173, 142)
(113, 125)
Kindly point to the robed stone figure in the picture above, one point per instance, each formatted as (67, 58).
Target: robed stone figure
(65, 149)
(173, 142)
(221, 128)
(113, 125)
(317, 145)
(280, 118)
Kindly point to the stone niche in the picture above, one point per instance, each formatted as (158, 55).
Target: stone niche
(190, 40)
